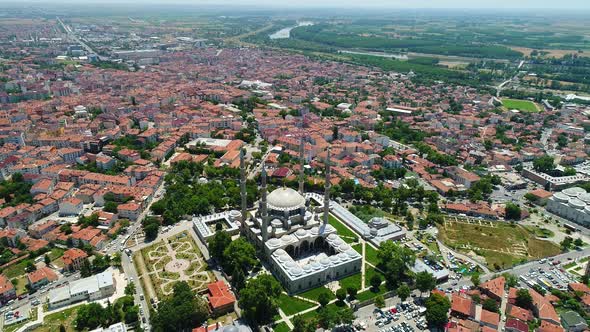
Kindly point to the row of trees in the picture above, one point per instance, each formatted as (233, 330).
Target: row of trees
(93, 315)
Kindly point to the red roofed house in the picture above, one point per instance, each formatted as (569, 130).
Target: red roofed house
(515, 325)
(461, 307)
(220, 298)
(494, 288)
(71, 206)
(73, 258)
(7, 290)
(490, 319)
(41, 277)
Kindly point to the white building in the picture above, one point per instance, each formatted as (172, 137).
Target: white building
(92, 288)
(302, 248)
(572, 204)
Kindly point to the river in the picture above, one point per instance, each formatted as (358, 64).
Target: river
(286, 32)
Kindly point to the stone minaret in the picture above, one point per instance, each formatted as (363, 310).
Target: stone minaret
(243, 187)
(327, 190)
(263, 206)
(302, 163)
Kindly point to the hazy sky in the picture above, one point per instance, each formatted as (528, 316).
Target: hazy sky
(495, 4)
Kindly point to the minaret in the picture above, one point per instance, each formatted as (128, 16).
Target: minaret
(327, 189)
(243, 186)
(263, 206)
(302, 170)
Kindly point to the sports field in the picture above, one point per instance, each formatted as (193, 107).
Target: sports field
(521, 105)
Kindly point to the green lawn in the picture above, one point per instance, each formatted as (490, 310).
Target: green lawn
(53, 321)
(291, 305)
(313, 294)
(347, 235)
(369, 294)
(351, 281)
(521, 105)
(371, 254)
(15, 270)
(281, 327)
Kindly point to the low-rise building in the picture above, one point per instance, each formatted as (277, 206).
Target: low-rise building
(92, 288)
(41, 277)
(7, 290)
(73, 258)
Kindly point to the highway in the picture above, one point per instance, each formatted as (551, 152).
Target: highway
(73, 36)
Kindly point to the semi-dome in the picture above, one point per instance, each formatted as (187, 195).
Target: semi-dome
(561, 197)
(573, 191)
(285, 199)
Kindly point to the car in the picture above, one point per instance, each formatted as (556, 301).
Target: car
(141, 296)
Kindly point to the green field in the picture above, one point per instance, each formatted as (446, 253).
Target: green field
(501, 244)
(291, 305)
(345, 233)
(54, 320)
(313, 294)
(521, 105)
(281, 327)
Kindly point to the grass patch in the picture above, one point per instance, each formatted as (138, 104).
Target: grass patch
(354, 280)
(313, 294)
(540, 232)
(371, 254)
(569, 265)
(501, 244)
(350, 236)
(370, 293)
(521, 105)
(281, 327)
(53, 321)
(291, 305)
(21, 287)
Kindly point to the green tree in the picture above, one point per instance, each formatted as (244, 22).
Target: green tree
(352, 291)
(150, 226)
(511, 280)
(403, 291)
(375, 281)
(47, 260)
(425, 281)
(300, 324)
(110, 206)
(218, 243)
(130, 289)
(323, 299)
(513, 211)
(437, 307)
(90, 316)
(62, 328)
(524, 298)
(490, 305)
(180, 312)
(379, 301)
(475, 279)
(259, 299)
(240, 254)
(341, 294)
(395, 261)
(544, 164)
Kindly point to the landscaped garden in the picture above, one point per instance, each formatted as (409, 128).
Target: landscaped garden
(176, 259)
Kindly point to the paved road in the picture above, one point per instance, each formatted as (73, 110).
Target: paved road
(72, 35)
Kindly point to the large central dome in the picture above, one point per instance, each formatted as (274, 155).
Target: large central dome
(285, 199)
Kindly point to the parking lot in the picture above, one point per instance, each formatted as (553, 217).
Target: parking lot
(549, 274)
(401, 317)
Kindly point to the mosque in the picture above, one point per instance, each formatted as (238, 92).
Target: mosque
(302, 249)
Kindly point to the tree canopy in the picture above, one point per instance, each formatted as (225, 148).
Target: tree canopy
(395, 261)
(259, 299)
(437, 307)
(181, 312)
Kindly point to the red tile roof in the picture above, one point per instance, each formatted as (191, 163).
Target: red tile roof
(219, 295)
